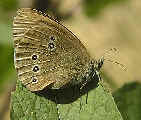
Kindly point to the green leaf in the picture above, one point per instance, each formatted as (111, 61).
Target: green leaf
(100, 106)
(7, 72)
(26, 105)
(128, 99)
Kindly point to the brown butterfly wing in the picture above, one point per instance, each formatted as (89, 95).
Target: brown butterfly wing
(46, 52)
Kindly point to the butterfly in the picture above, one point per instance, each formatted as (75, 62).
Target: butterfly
(47, 54)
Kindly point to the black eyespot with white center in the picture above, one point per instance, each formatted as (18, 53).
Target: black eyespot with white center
(51, 45)
(36, 68)
(52, 38)
(34, 57)
(34, 80)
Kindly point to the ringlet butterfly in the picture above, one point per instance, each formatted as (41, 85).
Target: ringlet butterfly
(47, 54)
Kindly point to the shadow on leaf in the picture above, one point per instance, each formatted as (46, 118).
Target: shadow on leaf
(69, 93)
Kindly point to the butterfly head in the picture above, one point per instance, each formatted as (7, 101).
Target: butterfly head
(99, 63)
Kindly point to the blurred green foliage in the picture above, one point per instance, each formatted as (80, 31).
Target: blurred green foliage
(7, 5)
(6, 63)
(128, 100)
(6, 54)
(7, 71)
(93, 8)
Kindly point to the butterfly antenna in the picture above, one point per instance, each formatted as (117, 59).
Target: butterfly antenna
(115, 51)
(112, 50)
(118, 63)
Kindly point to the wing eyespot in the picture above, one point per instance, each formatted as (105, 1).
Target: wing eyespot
(51, 43)
(34, 80)
(35, 69)
(52, 38)
(34, 57)
(51, 46)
